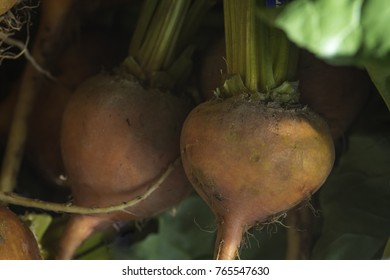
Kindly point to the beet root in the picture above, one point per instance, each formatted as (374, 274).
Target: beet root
(117, 139)
(17, 242)
(251, 161)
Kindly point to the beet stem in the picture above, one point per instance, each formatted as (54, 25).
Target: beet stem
(147, 10)
(156, 34)
(161, 41)
(260, 54)
(248, 52)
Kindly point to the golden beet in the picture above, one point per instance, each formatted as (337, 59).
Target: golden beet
(251, 161)
(117, 139)
(17, 242)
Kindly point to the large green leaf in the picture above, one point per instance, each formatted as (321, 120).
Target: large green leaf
(354, 30)
(343, 32)
(374, 23)
(328, 28)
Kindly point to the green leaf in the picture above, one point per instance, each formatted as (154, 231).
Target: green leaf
(96, 247)
(374, 23)
(328, 28)
(353, 32)
(38, 223)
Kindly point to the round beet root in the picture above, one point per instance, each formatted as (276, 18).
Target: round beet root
(117, 139)
(251, 161)
(17, 242)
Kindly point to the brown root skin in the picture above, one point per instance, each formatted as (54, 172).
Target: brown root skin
(117, 138)
(17, 242)
(250, 161)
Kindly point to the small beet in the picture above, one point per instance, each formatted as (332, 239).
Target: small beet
(17, 242)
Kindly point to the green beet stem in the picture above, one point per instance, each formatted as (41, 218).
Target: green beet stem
(162, 35)
(257, 52)
(285, 57)
(143, 23)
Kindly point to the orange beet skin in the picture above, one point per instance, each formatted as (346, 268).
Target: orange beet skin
(251, 161)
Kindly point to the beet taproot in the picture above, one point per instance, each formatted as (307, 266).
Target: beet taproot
(17, 242)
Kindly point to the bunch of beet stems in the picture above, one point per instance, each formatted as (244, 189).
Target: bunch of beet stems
(254, 152)
(259, 57)
(161, 47)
